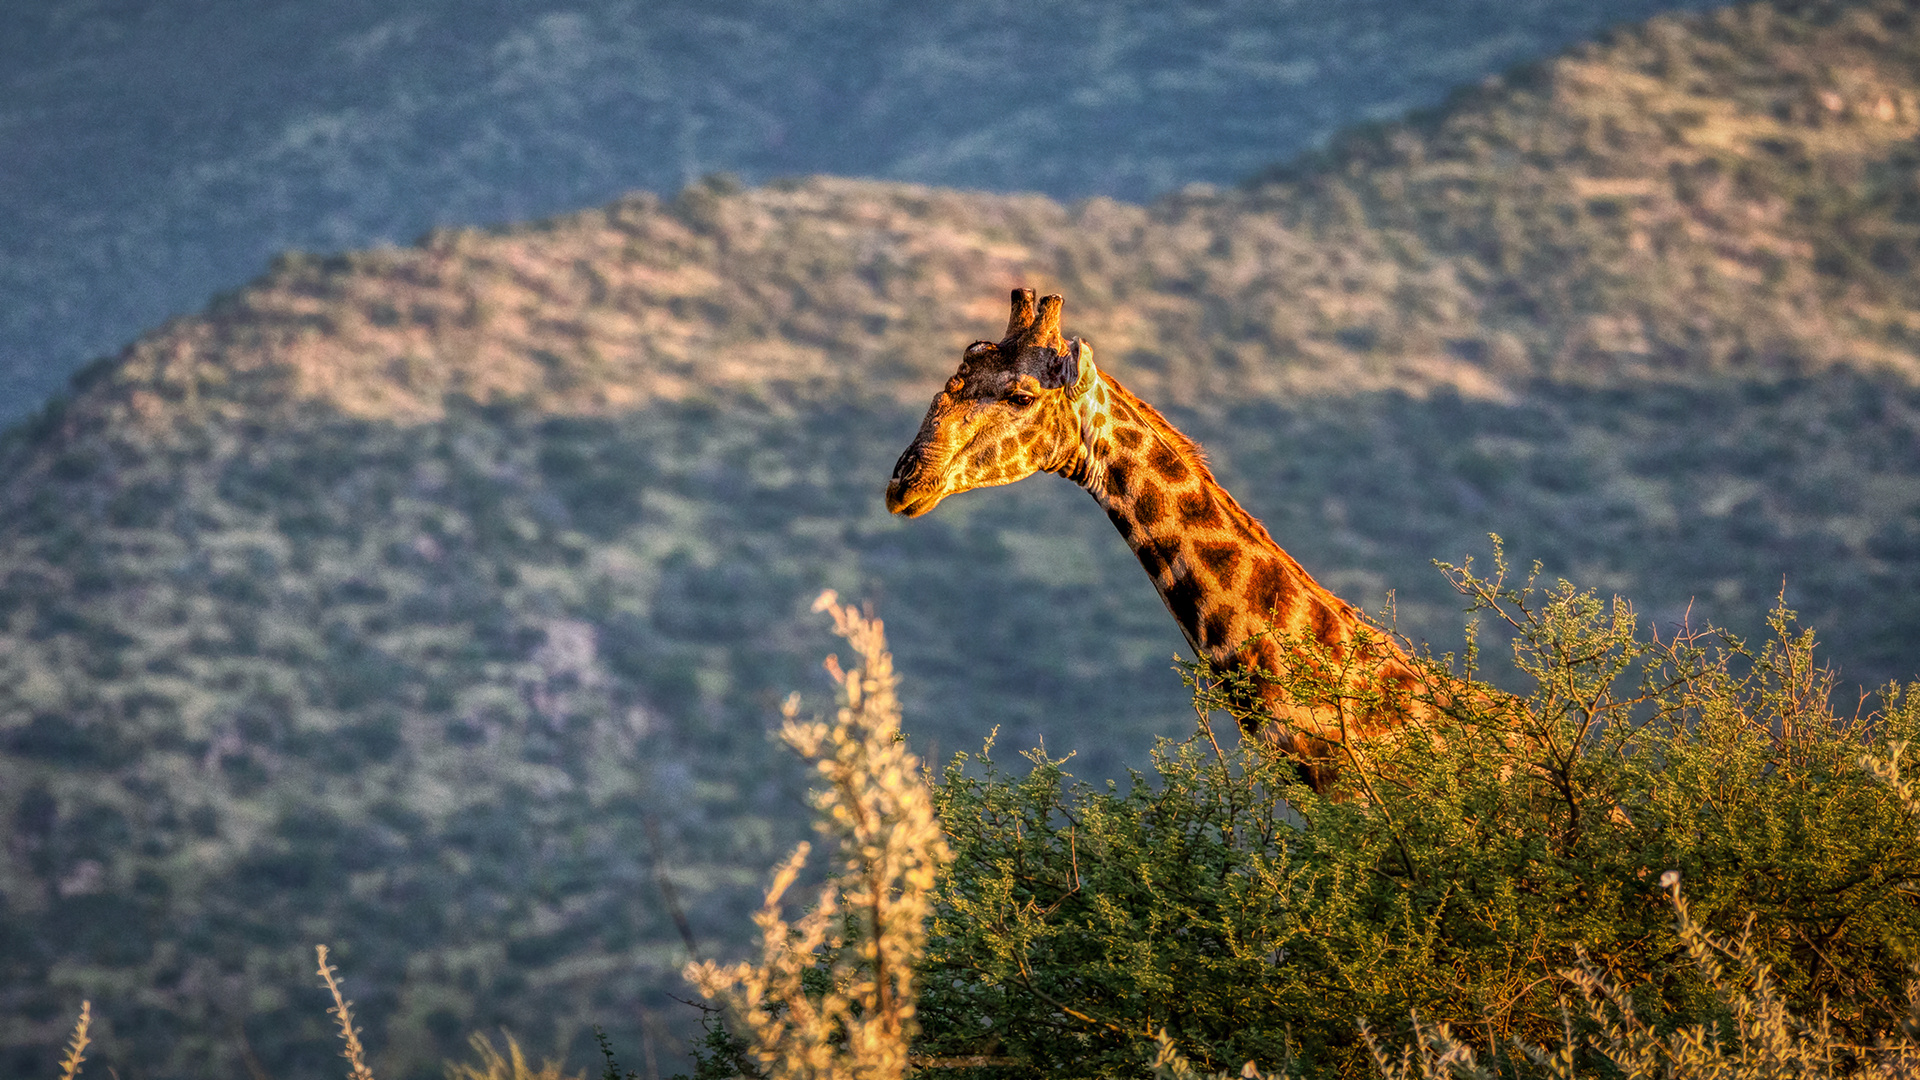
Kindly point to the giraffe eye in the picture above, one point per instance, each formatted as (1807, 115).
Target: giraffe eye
(1019, 399)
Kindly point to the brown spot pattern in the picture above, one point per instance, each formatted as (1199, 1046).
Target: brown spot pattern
(1221, 576)
(1183, 599)
(1167, 463)
(1197, 509)
(1150, 561)
(1264, 587)
(1221, 559)
(1148, 507)
(1268, 655)
(1326, 629)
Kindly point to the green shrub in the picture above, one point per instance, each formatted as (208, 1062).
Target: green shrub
(1759, 1038)
(1224, 903)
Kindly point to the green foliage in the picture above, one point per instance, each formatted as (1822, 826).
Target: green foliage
(1757, 1037)
(718, 1054)
(1250, 919)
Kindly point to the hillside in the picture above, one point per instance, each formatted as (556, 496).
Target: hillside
(434, 601)
(1732, 195)
(160, 152)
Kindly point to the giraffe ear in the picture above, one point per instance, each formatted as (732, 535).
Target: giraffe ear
(1073, 368)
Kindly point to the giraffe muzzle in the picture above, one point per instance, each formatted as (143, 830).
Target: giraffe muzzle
(906, 494)
(902, 499)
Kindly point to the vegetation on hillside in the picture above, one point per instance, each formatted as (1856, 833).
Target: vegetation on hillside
(1730, 193)
(1736, 193)
(433, 602)
(143, 177)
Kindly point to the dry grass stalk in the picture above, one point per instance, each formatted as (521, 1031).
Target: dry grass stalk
(1170, 1064)
(77, 1046)
(869, 924)
(1763, 1039)
(342, 1012)
(511, 1065)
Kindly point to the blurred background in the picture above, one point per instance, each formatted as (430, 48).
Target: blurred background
(430, 423)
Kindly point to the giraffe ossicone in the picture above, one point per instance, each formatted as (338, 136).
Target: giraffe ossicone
(1035, 402)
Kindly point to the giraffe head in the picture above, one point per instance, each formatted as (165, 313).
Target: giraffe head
(1005, 415)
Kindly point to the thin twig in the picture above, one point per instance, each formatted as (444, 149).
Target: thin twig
(77, 1047)
(665, 884)
(342, 1012)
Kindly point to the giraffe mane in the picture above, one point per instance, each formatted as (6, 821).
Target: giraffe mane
(1186, 447)
(1194, 454)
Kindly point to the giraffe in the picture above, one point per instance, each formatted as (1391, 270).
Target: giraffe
(1033, 402)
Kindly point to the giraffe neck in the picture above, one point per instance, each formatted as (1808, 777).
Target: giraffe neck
(1220, 573)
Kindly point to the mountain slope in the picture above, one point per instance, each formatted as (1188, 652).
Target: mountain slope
(1732, 194)
(1738, 193)
(160, 152)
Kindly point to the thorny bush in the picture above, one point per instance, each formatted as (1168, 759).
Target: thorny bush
(1457, 872)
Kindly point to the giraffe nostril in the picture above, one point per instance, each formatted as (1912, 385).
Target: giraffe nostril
(906, 465)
